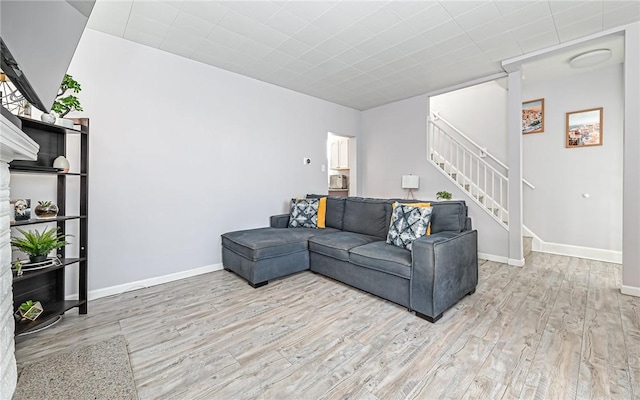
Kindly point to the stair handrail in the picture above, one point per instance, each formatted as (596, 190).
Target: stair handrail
(436, 116)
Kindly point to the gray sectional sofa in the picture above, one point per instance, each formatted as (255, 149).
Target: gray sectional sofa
(437, 272)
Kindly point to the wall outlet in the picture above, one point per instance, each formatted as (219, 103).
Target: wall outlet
(306, 161)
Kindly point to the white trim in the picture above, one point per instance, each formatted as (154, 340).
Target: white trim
(127, 287)
(493, 257)
(589, 253)
(516, 262)
(630, 290)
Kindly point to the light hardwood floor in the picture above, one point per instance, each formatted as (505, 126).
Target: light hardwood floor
(557, 328)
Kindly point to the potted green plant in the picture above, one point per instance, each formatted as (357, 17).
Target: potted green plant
(38, 245)
(443, 195)
(29, 310)
(63, 105)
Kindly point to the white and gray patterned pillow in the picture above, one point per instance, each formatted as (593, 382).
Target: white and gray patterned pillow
(407, 224)
(304, 213)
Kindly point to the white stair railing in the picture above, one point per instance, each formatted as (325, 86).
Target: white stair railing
(465, 165)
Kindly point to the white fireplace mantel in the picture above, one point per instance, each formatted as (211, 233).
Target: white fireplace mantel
(14, 145)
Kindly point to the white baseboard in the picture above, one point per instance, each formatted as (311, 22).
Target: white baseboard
(494, 258)
(516, 262)
(578, 251)
(126, 287)
(630, 290)
(537, 244)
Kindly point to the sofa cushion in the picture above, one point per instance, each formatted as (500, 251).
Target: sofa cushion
(407, 224)
(337, 245)
(367, 216)
(383, 257)
(446, 216)
(257, 244)
(335, 210)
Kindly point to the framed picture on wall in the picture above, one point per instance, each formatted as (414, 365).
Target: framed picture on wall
(533, 116)
(584, 128)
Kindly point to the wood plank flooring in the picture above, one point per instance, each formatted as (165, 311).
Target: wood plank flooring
(557, 328)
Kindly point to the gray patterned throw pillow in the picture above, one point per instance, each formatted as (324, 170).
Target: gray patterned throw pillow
(407, 224)
(304, 213)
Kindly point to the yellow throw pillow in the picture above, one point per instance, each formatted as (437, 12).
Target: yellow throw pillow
(322, 212)
(412, 205)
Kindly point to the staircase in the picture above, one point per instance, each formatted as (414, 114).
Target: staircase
(480, 175)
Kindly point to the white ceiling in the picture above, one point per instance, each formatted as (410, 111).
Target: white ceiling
(360, 54)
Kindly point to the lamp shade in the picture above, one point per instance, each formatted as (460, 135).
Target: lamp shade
(410, 181)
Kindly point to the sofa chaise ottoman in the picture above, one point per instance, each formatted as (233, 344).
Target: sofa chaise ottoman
(438, 270)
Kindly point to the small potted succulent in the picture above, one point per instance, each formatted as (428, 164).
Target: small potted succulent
(443, 195)
(29, 310)
(45, 209)
(38, 245)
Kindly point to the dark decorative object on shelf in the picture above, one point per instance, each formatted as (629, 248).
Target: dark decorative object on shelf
(45, 209)
(21, 209)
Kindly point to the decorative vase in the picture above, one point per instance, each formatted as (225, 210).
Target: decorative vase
(61, 163)
(45, 209)
(48, 118)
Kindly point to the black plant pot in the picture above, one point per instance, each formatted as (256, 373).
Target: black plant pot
(37, 259)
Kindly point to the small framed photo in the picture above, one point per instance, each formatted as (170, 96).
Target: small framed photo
(533, 116)
(21, 209)
(584, 128)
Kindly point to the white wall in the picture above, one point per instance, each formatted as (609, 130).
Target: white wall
(480, 112)
(181, 152)
(556, 211)
(394, 137)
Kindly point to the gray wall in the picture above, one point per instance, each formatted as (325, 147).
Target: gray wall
(181, 152)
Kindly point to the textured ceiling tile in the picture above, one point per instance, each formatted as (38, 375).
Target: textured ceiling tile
(175, 46)
(239, 24)
(580, 28)
(490, 29)
(211, 11)
(259, 11)
(478, 16)
(525, 15)
(333, 21)
(332, 47)
(286, 22)
(583, 11)
(309, 10)
(293, 47)
(444, 32)
(110, 17)
(358, 9)
(558, 6)
(355, 34)
(155, 10)
(311, 35)
(429, 19)
(352, 55)
(535, 28)
(456, 8)
(533, 43)
(190, 23)
(367, 64)
(255, 49)
(380, 20)
(314, 57)
(407, 9)
(184, 38)
(398, 33)
(497, 42)
(621, 15)
(507, 7)
(413, 44)
(226, 37)
(269, 37)
(373, 45)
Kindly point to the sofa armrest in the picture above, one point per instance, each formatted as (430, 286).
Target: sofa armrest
(279, 221)
(468, 226)
(445, 269)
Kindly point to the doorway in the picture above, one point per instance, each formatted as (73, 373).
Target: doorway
(342, 177)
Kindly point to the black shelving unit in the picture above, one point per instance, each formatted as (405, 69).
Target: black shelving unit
(47, 285)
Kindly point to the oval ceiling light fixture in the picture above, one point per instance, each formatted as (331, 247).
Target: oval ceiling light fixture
(590, 58)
